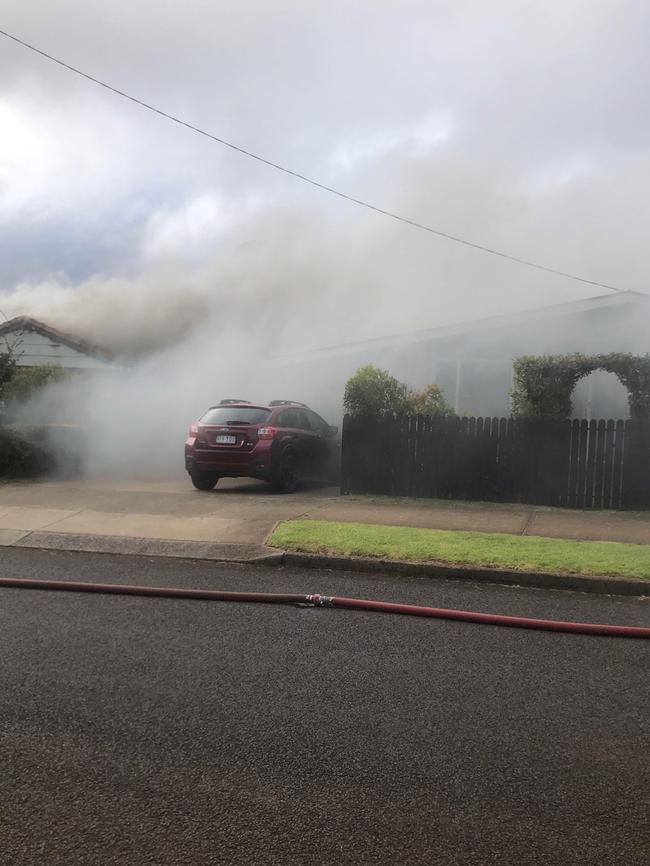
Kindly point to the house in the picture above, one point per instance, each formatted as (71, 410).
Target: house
(472, 360)
(36, 344)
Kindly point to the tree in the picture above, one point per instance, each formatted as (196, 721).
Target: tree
(7, 370)
(371, 391)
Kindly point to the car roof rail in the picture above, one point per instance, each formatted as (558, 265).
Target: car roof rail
(229, 402)
(288, 403)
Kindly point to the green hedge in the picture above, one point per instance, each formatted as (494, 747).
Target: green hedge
(543, 384)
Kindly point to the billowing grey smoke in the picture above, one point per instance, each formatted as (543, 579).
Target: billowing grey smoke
(524, 132)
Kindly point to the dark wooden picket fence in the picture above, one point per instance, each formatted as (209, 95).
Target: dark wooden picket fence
(573, 464)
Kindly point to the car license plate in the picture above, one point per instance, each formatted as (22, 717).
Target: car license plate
(223, 439)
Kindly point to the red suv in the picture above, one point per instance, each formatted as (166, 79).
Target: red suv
(284, 443)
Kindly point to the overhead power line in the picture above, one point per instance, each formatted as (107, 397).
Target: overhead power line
(309, 180)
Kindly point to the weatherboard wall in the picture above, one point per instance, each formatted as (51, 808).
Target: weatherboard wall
(37, 350)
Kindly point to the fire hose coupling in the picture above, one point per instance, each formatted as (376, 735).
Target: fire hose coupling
(321, 600)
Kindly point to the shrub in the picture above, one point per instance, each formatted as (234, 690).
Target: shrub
(371, 391)
(428, 401)
(27, 381)
(20, 455)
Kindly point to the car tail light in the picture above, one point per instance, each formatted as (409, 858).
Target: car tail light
(267, 432)
(194, 429)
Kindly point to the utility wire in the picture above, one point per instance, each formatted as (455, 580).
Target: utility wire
(309, 180)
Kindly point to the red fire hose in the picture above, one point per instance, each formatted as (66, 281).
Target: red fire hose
(332, 601)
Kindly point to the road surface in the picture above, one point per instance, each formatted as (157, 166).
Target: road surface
(141, 731)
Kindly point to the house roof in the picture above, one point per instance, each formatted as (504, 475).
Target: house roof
(22, 324)
(473, 326)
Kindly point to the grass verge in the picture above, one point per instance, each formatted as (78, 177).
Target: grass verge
(495, 550)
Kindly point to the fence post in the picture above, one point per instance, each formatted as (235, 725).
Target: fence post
(636, 465)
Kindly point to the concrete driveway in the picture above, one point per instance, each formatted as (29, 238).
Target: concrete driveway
(58, 513)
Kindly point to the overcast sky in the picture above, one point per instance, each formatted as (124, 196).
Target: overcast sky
(521, 125)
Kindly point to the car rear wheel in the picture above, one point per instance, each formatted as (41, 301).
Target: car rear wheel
(286, 479)
(203, 481)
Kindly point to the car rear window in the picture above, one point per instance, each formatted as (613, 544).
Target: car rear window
(235, 415)
(293, 418)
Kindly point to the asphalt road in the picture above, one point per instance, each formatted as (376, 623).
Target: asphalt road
(141, 731)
